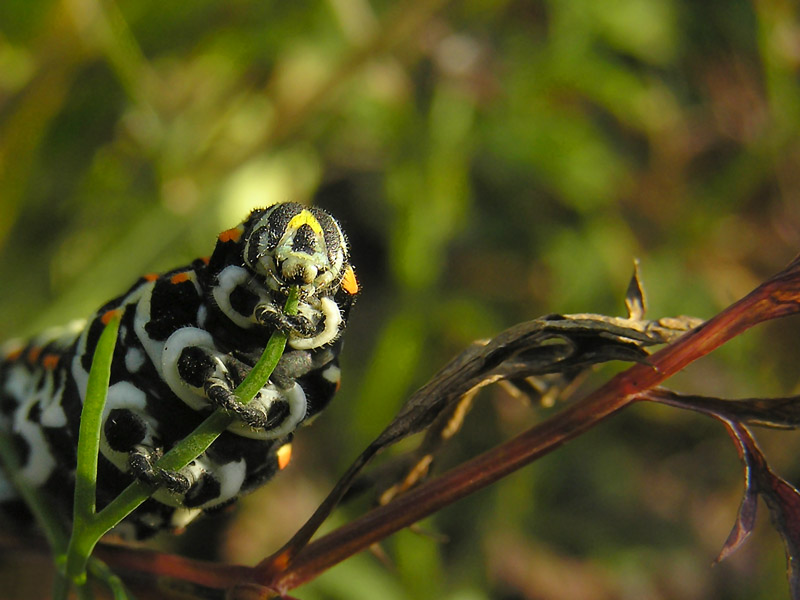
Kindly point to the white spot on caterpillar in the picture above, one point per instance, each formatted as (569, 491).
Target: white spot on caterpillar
(332, 374)
(183, 516)
(231, 479)
(134, 359)
(54, 416)
(40, 463)
(202, 315)
(124, 394)
(17, 382)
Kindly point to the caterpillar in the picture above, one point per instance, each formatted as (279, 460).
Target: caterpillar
(187, 338)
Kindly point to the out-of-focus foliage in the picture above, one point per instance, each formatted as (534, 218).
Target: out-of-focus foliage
(492, 162)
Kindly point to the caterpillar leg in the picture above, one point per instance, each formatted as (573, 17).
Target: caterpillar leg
(201, 376)
(270, 315)
(142, 465)
(199, 483)
(130, 443)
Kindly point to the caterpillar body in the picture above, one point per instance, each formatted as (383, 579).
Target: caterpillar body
(187, 338)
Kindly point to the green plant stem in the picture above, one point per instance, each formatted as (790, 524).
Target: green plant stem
(91, 422)
(88, 533)
(100, 571)
(88, 450)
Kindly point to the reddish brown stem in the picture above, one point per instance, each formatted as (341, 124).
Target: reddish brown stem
(444, 490)
(777, 297)
(160, 565)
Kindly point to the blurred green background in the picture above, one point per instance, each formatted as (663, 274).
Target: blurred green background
(492, 161)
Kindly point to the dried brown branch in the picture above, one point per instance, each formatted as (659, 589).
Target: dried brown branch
(777, 297)
(783, 412)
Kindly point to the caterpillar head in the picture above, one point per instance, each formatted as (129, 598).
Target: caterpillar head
(292, 244)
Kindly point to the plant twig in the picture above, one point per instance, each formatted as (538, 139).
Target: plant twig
(777, 297)
(88, 449)
(89, 526)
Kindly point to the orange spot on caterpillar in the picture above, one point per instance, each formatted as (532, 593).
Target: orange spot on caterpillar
(14, 354)
(33, 354)
(349, 282)
(50, 361)
(205, 259)
(150, 276)
(231, 235)
(108, 315)
(179, 277)
(284, 456)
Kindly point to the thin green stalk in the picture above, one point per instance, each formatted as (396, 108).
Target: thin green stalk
(100, 571)
(88, 450)
(91, 422)
(86, 537)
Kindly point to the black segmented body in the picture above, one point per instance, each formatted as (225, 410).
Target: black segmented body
(186, 339)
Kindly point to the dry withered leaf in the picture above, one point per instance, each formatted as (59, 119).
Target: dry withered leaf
(634, 297)
(550, 344)
(782, 499)
(746, 518)
(538, 358)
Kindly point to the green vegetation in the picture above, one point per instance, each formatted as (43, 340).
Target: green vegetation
(491, 162)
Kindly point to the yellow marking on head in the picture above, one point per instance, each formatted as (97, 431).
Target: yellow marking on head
(284, 455)
(305, 218)
(349, 281)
